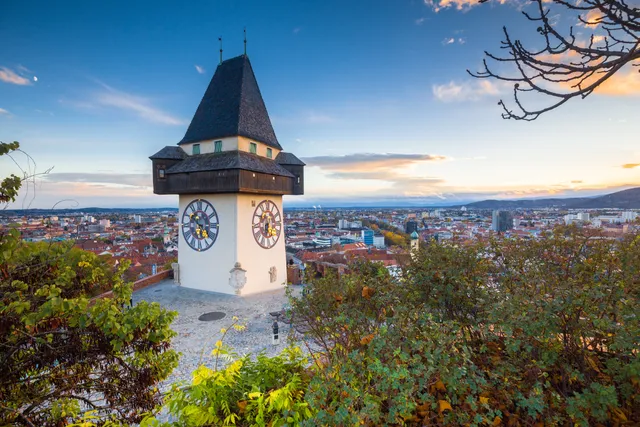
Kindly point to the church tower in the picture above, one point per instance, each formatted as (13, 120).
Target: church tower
(230, 173)
(415, 244)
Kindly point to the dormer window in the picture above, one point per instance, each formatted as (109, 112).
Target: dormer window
(253, 148)
(196, 149)
(269, 153)
(217, 147)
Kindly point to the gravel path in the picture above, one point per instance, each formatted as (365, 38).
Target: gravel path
(194, 335)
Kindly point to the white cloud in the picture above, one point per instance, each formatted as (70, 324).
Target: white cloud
(127, 179)
(464, 5)
(10, 76)
(314, 118)
(136, 104)
(453, 40)
(297, 30)
(420, 21)
(466, 91)
(200, 69)
(3, 111)
(370, 164)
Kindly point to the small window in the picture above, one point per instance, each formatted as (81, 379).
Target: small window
(160, 173)
(217, 147)
(253, 148)
(269, 153)
(298, 180)
(196, 149)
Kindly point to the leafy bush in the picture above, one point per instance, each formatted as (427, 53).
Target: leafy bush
(507, 332)
(61, 354)
(246, 392)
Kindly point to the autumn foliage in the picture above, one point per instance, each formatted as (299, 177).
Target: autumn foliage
(513, 332)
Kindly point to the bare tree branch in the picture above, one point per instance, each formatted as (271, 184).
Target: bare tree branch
(567, 67)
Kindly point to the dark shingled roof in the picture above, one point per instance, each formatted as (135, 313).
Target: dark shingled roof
(229, 160)
(232, 106)
(170, 153)
(288, 159)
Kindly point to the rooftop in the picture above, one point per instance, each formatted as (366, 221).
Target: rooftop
(229, 160)
(232, 106)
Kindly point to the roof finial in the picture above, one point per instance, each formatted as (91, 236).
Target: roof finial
(245, 41)
(220, 39)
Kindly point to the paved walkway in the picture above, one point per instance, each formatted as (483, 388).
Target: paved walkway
(194, 335)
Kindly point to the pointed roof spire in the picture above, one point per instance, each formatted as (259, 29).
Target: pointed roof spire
(232, 106)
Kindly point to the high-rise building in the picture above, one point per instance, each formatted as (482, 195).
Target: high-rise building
(230, 173)
(583, 216)
(501, 221)
(411, 226)
(629, 216)
(367, 237)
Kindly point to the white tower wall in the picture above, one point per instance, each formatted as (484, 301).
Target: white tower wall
(210, 270)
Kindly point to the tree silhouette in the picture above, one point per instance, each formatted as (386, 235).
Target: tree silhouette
(567, 66)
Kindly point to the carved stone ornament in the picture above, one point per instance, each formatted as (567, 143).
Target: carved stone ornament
(273, 274)
(176, 273)
(238, 278)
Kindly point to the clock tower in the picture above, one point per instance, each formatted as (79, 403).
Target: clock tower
(230, 173)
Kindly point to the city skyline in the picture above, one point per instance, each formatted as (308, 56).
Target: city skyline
(375, 100)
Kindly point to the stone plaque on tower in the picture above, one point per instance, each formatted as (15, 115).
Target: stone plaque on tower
(230, 173)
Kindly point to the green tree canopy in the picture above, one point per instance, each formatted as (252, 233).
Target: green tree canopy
(63, 354)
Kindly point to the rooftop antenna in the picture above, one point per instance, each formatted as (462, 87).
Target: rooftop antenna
(220, 40)
(245, 41)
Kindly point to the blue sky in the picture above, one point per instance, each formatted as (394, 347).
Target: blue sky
(373, 95)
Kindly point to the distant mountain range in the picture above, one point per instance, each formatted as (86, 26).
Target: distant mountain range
(626, 199)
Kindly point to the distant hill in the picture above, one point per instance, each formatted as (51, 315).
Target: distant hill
(626, 199)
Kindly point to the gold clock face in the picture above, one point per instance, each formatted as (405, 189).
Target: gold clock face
(266, 224)
(200, 225)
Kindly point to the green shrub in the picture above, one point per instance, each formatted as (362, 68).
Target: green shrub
(265, 391)
(507, 332)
